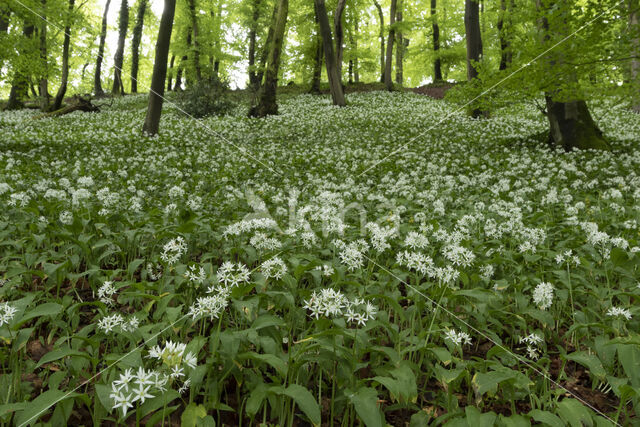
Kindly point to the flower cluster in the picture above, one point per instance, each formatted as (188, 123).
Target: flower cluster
(543, 295)
(7, 312)
(173, 250)
(333, 303)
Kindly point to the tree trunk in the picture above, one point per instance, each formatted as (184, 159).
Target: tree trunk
(170, 72)
(118, 59)
(267, 94)
(335, 84)
(570, 122)
(381, 35)
(253, 31)
(193, 17)
(57, 103)
(156, 94)
(19, 85)
(388, 82)
(44, 78)
(571, 126)
(267, 45)
(97, 83)
(473, 37)
(634, 6)
(339, 30)
(135, 44)
(437, 69)
(399, 45)
(356, 30)
(505, 45)
(178, 85)
(317, 62)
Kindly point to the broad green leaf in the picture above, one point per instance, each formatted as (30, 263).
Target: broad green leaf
(59, 354)
(365, 401)
(305, 401)
(545, 417)
(574, 413)
(192, 413)
(46, 309)
(40, 406)
(590, 361)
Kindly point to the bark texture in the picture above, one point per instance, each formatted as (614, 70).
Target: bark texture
(156, 94)
(335, 83)
(43, 87)
(317, 60)
(339, 33)
(505, 45)
(135, 44)
(437, 67)
(97, 82)
(381, 35)
(399, 45)
(196, 42)
(253, 31)
(571, 126)
(118, 58)
(388, 82)
(267, 104)
(473, 37)
(64, 78)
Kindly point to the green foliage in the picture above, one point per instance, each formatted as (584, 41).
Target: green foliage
(208, 97)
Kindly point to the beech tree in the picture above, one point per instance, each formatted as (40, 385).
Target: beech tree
(388, 82)
(267, 104)
(97, 82)
(156, 93)
(135, 44)
(335, 83)
(118, 59)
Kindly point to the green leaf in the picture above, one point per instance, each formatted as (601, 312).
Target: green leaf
(488, 382)
(574, 413)
(192, 413)
(255, 399)
(59, 354)
(365, 400)
(40, 406)
(266, 320)
(12, 407)
(590, 361)
(629, 356)
(546, 418)
(47, 309)
(305, 401)
(476, 418)
(271, 359)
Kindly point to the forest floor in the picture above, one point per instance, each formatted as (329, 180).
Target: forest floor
(394, 261)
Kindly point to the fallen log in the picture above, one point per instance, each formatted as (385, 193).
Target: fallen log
(78, 103)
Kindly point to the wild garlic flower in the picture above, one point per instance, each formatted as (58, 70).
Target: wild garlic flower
(116, 321)
(458, 338)
(568, 257)
(326, 270)
(106, 291)
(230, 274)
(154, 271)
(66, 217)
(619, 312)
(532, 341)
(332, 303)
(415, 240)
(416, 261)
(173, 355)
(195, 274)
(273, 267)
(136, 387)
(7, 313)
(458, 255)
(543, 295)
(211, 305)
(261, 241)
(173, 250)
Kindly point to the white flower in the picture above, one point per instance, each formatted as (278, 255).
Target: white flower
(543, 295)
(458, 338)
(619, 312)
(273, 267)
(173, 250)
(7, 313)
(142, 393)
